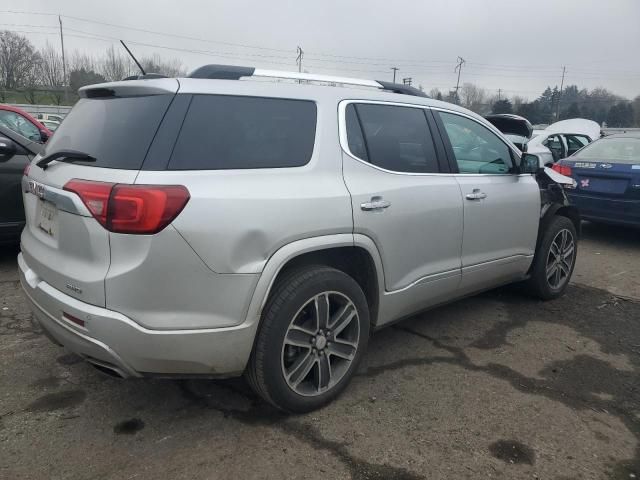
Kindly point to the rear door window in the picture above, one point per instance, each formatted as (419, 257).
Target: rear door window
(395, 138)
(223, 132)
(117, 131)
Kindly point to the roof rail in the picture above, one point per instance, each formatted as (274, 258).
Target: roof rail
(233, 72)
(146, 76)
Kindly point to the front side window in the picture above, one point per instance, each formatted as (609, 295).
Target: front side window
(391, 137)
(20, 125)
(222, 132)
(476, 148)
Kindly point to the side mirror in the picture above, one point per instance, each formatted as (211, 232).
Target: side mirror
(7, 149)
(529, 163)
(44, 136)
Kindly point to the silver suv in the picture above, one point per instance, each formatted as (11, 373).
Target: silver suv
(219, 225)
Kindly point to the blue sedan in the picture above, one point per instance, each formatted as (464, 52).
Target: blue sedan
(607, 175)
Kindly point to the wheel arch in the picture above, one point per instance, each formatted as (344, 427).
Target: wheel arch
(356, 255)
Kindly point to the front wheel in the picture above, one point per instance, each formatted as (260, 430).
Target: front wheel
(555, 259)
(314, 331)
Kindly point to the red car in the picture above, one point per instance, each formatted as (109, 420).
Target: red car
(24, 124)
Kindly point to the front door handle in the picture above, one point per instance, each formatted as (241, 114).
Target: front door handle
(476, 195)
(376, 203)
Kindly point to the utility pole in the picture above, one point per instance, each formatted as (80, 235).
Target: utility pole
(560, 94)
(407, 81)
(499, 94)
(299, 59)
(395, 69)
(459, 70)
(64, 64)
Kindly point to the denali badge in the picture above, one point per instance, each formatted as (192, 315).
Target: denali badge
(36, 188)
(73, 288)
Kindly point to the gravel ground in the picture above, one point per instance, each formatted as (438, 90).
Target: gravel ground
(495, 386)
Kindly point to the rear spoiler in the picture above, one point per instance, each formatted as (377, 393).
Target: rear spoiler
(131, 88)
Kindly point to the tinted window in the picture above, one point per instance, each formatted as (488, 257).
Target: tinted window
(227, 132)
(615, 150)
(20, 125)
(354, 134)
(397, 138)
(476, 148)
(116, 131)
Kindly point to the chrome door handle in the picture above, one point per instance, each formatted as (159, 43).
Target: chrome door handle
(376, 203)
(476, 195)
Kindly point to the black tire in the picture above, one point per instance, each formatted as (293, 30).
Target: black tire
(266, 369)
(539, 284)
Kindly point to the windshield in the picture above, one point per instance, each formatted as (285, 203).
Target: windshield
(618, 150)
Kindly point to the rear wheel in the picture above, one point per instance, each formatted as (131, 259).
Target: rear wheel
(314, 331)
(555, 259)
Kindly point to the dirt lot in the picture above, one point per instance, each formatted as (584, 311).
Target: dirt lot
(497, 386)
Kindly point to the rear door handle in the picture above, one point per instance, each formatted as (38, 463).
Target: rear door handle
(476, 195)
(376, 203)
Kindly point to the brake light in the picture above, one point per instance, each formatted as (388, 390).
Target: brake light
(562, 169)
(135, 209)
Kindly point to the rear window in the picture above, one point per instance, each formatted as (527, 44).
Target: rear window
(117, 131)
(615, 150)
(231, 132)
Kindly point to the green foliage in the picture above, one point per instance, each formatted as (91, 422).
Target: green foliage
(502, 106)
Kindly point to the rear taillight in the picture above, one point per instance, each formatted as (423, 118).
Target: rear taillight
(562, 169)
(138, 209)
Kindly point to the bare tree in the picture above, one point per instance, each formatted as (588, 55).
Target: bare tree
(83, 61)
(435, 93)
(33, 79)
(171, 67)
(16, 60)
(115, 66)
(473, 97)
(51, 67)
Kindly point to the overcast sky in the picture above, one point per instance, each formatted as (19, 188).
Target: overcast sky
(516, 45)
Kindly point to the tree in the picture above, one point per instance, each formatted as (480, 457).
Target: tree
(435, 93)
(33, 79)
(170, 68)
(502, 106)
(473, 97)
(572, 112)
(17, 59)
(530, 111)
(80, 78)
(115, 67)
(636, 110)
(51, 67)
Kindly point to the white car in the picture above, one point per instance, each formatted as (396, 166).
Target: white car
(50, 117)
(562, 139)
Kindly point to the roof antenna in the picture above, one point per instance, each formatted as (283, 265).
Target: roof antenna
(134, 58)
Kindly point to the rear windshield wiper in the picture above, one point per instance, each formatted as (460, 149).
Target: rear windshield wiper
(65, 156)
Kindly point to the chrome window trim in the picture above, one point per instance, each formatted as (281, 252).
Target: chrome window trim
(344, 143)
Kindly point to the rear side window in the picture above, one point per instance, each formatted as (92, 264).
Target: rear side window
(396, 138)
(230, 132)
(117, 131)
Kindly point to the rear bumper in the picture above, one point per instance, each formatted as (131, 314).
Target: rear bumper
(607, 210)
(113, 340)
